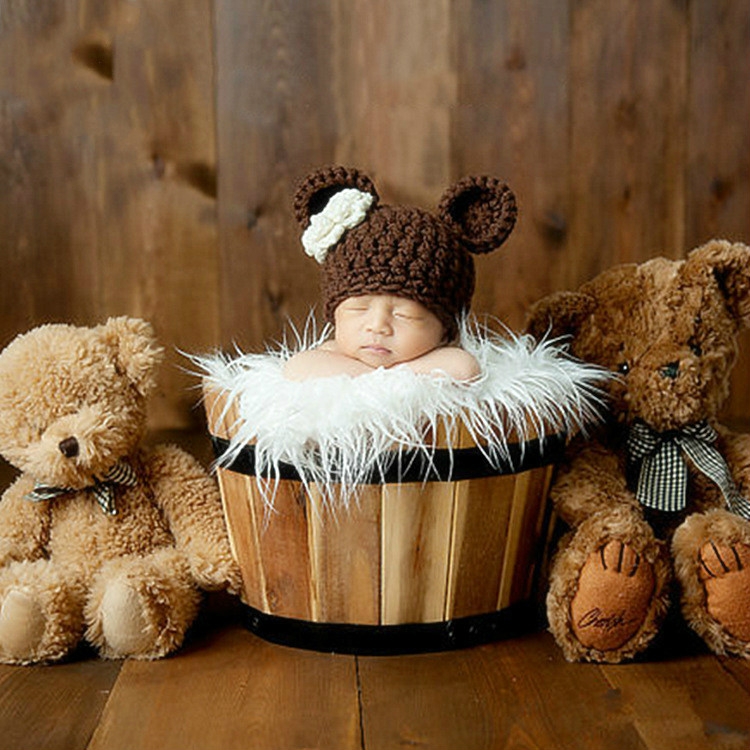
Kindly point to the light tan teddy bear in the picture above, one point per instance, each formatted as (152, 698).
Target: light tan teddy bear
(662, 491)
(99, 538)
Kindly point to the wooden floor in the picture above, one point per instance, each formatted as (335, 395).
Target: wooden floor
(228, 689)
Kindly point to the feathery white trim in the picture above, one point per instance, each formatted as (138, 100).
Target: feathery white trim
(337, 430)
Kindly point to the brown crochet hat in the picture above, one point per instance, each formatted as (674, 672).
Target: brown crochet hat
(368, 248)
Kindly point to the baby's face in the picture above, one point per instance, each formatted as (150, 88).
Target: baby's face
(382, 330)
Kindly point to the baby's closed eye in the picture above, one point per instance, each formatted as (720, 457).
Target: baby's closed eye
(407, 316)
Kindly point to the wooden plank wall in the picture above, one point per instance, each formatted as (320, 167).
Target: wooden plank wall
(149, 148)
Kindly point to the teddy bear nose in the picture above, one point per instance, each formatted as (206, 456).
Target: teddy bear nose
(670, 370)
(68, 447)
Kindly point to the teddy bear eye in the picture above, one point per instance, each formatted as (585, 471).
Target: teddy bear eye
(695, 348)
(623, 368)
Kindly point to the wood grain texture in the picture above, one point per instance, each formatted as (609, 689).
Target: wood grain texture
(416, 536)
(157, 185)
(281, 534)
(718, 151)
(113, 187)
(242, 502)
(628, 83)
(393, 88)
(238, 497)
(238, 692)
(512, 71)
(345, 555)
(48, 213)
(718, 158)
(228, 690)
(518, 693)
(275, 121)
(151, 149)
(524, 547)
(482, 510)
(53, 707)
(677, 709)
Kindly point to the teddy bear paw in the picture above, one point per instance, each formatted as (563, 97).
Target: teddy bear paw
(22, 625)
(615, 590)
(124, 626)
(725, 573)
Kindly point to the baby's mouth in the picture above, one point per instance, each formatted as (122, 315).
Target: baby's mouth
(376, 349)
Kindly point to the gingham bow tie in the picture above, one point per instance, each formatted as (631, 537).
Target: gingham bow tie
(103, 489)
(663, 475)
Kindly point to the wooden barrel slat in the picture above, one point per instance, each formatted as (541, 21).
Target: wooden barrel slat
(523, 558)
(236, 493)
(345, 558)
(481, 515)
(237, 496)
(284, 552)
(416, 537)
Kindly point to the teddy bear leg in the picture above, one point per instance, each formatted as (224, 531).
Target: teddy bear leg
(40, 612)
(141, 607)
(124, 624)
(712, 561)
(608, 588)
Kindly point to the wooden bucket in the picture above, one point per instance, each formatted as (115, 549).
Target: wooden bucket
(409, 566)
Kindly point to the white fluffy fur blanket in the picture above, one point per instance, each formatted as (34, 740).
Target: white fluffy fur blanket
(339, 430)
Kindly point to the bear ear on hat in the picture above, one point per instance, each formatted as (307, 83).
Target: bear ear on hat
(482, 210)
(318, 187)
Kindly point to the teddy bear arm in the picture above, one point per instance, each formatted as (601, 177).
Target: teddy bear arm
(735, 447)
(24, 525)
(592, 480)
(190, 501)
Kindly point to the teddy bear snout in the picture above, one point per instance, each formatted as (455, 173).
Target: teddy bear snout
(670, 370)
(75, 447)
(69, 447)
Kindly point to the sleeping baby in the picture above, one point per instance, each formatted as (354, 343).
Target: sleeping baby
(395, 280)
(378, 330)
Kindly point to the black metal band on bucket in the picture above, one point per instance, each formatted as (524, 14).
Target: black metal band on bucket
(392, 640)
(438, 465)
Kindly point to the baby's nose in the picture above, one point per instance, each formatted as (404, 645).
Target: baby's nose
(378, 321)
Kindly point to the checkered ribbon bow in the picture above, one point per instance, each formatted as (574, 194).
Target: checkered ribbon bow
(103, 489)
(663, 476)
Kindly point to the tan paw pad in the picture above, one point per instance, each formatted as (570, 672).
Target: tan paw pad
(22, 624)
(725, 572)
(615, 590)
(123, 623)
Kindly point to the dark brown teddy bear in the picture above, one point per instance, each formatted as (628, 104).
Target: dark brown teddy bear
(661, 490)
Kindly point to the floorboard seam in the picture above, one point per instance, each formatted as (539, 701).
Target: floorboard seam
(95, 731)
(722, 662)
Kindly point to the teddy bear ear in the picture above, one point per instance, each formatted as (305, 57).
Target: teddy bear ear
(559, 314)
(729, 264)
(482, 210)
(314, 192)
(135, 350)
